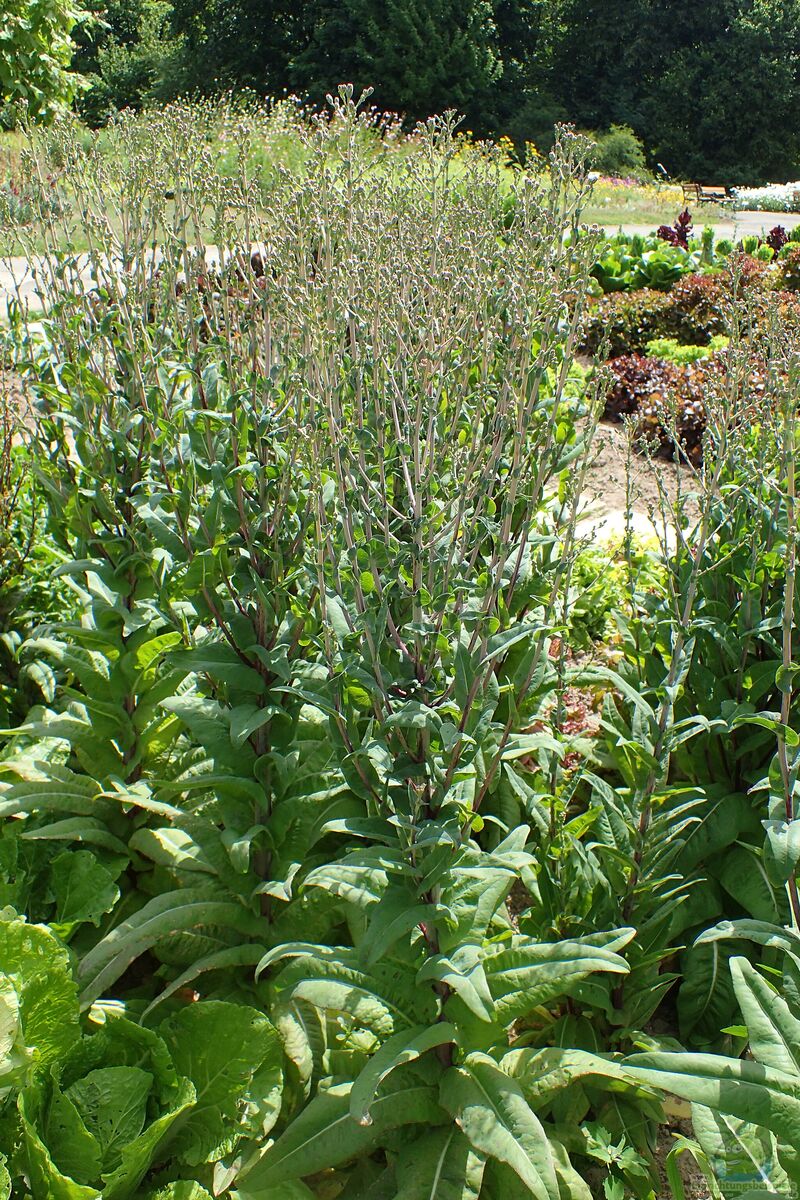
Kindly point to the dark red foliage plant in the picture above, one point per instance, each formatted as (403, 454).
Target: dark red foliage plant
(677, 234)
(777, 238)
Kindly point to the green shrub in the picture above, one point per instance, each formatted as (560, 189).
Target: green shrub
(620, 152)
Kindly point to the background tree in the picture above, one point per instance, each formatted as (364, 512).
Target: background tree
(36, 49)
(421, 56)
(129, 56)
(240, 43)
(727, 99)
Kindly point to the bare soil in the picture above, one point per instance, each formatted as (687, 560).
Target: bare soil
(651, 478)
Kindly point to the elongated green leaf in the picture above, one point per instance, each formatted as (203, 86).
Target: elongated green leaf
(173, 848)
(761, 932)
(543, 1073)
(77, 829)
(525, 973)
(706, 1001)
(169, 913)
(403, 1047)
(495, 1116)
(740, 1153)
(69, 793)
(463, 971)
(729, 1085)
(439, 1166)
(325, 1135)
(293, 1190)
(773, 1030)
(221, 663)
(231, 956)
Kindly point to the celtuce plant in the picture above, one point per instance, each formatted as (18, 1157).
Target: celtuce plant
(311, 503)
(314, 871)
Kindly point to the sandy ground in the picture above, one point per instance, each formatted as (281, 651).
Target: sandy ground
(605, 496)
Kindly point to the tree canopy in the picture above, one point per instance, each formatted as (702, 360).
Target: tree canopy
(712, 90)
(36, 51)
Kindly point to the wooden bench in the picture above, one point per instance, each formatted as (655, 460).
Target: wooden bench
(704, 193)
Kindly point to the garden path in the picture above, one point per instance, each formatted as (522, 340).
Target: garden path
(16, 272)
(740, 225)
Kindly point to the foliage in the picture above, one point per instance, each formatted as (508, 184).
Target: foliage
(659, 394)
(128, 59)
(679, 233)
(619, 152)
(704, 109)
(671, 350)
(37, 50)
(364, 822)
(696, 309)
(629, 264)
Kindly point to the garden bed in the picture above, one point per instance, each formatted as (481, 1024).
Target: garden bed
(370, 828)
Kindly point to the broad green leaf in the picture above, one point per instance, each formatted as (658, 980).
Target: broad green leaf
(38, 967)
(73, 1148)
(782, 850)
(744, 877)
(439, 1166)
(45, 1178)
(15, 1057)
(723, 820)
(84, 889)
(140, 1154)
(112, 1103)
(403, 1047)
(706, 1001)
(761, 932)
(5, 1179)
(383, 999)
(185, 1189)
(495, 1117)
(293, 1190)
(232, 1055)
